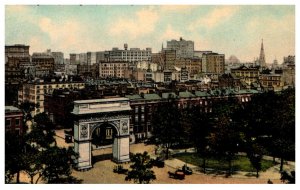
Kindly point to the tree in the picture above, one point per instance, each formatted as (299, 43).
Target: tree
(42, 133)
(255, 154)
(37, 155)
(290, 178)
(141, 166)
(27, 108)
(14, 156)
(283, 128)
(57, 164)
(270, 119)
(34, 166)
(200, 129)
(225, 137)
(166, 124)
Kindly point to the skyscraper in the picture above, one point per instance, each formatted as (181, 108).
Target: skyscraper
(262, 60)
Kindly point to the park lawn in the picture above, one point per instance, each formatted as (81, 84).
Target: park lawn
(241, 163)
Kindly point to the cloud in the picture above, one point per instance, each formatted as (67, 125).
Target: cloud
(16, 9)
(214, 17)
(276, 32)
(36, 44)
(142, 23)
(64, 35)
(169, 34)
(177, 8)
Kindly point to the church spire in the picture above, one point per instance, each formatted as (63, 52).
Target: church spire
(262, 60)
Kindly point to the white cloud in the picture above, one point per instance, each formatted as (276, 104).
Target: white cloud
(215, 17)
(177, 8)
(67, 35)
(36, 44)
(169, 34)
(278, 35)
(143, 23)
(16, 9)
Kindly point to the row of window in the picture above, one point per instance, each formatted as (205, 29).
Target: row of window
(9, 122)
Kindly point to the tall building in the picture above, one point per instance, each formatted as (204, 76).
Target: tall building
(34, 91)
(113, 69)
(131, 55)
(91, 58)
(213, 63)
(44, 64)
(58, 58)
(74, 58)
(262, 60)
(17, 62)
(184, 49)
(17, 51)
(169, 58)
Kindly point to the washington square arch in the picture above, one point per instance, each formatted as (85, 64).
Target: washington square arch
(91, 115)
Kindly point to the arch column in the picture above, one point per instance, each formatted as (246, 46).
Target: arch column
(121, 149)
(82, 146)
(91, 114)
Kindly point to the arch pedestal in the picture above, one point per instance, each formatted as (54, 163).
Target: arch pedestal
(91, 114)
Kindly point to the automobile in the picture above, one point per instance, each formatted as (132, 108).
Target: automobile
(187, 170)
(158, 162)
(177, 174)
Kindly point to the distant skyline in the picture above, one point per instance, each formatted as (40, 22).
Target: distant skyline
(230, 30)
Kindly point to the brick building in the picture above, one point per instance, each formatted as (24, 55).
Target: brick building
(13, 120)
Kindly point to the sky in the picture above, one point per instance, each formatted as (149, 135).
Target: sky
(225, 29)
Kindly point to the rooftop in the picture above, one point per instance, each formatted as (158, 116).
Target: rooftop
(100, 100)
(11, 109)
(152, 97)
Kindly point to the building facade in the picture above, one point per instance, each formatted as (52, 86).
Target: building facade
(248, 75)
(113, 69)
(213, 63)
(14, 120)
(44, 64)
(271, 82)
(128, 55)
(183, 48)
(34, 91)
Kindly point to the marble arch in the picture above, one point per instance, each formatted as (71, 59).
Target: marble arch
(91, 114)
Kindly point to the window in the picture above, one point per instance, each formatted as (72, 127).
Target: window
(136, 109)
(17, 131)
(17, 122)
(7, 122)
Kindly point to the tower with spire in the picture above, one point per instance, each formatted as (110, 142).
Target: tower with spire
(262, 60)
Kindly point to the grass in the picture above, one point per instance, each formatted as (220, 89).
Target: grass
(241, 163)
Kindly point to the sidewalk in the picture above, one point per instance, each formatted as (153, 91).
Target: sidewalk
(272, 173)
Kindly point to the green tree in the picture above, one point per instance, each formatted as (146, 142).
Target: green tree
(34, 166)
(57, 164)
(283, 128)
(141, 169)
(200, 130)
(287, 177)
(225, 137)
(255, 154)
(38, 156)
(166, 124)
(27, 108)
(14, 156)
(42, 133)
